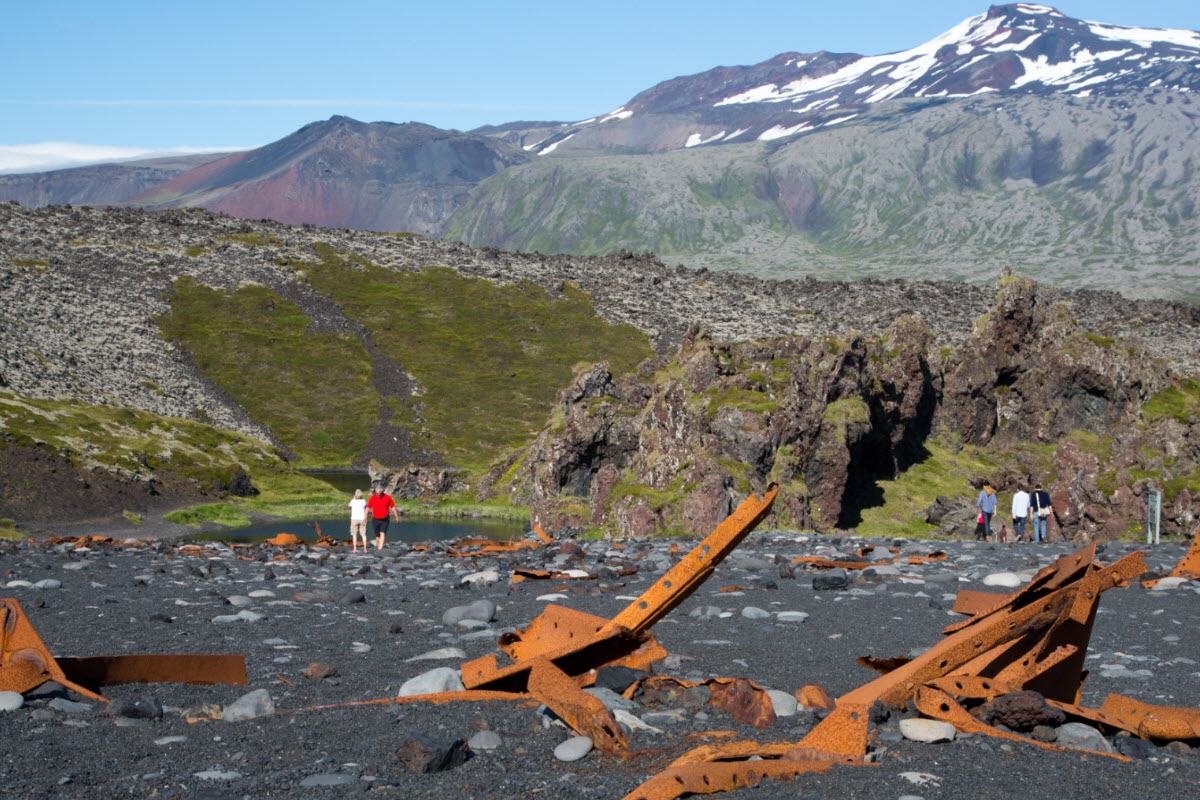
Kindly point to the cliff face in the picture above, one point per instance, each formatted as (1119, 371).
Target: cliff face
(1030, 395)
(674, 445)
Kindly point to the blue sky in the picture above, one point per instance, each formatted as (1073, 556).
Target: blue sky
(136, 76)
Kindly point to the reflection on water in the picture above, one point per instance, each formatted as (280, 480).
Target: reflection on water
(342, 481)
(407, 530)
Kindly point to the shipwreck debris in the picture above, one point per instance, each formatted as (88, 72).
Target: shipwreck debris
(26, 663)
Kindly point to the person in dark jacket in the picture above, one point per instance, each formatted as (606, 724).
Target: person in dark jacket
(1040, 509)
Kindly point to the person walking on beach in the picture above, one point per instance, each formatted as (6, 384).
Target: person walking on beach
(1020, 512)
(358, 521)
(380, 504)
(1040, 509)
(986, 504)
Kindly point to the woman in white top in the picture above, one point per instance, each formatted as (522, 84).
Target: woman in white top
(358, 521)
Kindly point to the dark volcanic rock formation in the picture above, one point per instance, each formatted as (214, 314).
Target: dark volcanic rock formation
(676, 445)
(686, 438)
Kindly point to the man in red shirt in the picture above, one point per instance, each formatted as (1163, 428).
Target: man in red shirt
(380, 504)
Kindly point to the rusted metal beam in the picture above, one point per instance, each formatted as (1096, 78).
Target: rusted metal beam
(200, 670)
(683, 579)
(940, 705)
(26, 663)
(1153, 722)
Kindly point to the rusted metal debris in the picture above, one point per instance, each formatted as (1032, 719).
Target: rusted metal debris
(1035, 638)
(816, 562)
(1032, 639)
(26, 663)
(1188, 567)
(742, 699)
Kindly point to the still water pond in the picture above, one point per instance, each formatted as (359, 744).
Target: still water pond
(409, 529)
(342, 481)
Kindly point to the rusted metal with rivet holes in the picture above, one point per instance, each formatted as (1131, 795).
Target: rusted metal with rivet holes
(681, 580)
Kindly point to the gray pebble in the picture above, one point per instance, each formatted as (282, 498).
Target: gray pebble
(485, 740)
(256, 704)
(442, 679)
(69, 706)
(573, 749)
(329, 779)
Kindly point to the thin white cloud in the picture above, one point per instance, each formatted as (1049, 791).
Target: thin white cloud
(276, 102)
(43, 156)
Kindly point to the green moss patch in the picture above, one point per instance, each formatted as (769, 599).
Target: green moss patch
(123, 441)
(220, 513)
(254, 238)
(313, 390)
(944, 471)
(1176, 401)
(487, 359)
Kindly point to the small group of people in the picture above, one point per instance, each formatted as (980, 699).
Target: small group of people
(1026, 507)
(381, 506)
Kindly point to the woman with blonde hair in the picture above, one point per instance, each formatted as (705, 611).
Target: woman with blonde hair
(358, 521)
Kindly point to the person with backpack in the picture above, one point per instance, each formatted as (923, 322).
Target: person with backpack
(1040, 509)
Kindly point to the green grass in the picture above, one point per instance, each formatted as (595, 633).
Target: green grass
(220, 513)
(488, 359)
(253, 238)
(29, 262)
(313, 390)
(1175, 401)
(943, 472)
(10, 534)
(133, 517)
(195, 250)
(126, 441)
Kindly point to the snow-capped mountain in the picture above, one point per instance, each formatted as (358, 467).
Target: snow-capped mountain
(1017, 48)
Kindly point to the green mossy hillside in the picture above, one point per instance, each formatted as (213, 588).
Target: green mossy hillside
(313, 390)
(126, 442)
(487, 359)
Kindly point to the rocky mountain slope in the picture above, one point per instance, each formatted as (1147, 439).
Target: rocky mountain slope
(99, 184)
(1018, 49)
(848, 428)
(1092, 192)
(345, 346)
(1062, 147)
(345, 173)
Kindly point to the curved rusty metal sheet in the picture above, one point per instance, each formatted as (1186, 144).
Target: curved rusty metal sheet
(1153, 722)
(583, 712)
(940, 705)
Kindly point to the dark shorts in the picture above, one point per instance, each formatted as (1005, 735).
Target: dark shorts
(379, 526)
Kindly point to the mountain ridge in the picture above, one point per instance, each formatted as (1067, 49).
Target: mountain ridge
(1020, 136)
(345, 173)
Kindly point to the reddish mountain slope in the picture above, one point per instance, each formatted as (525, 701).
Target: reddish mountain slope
(345, 173)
